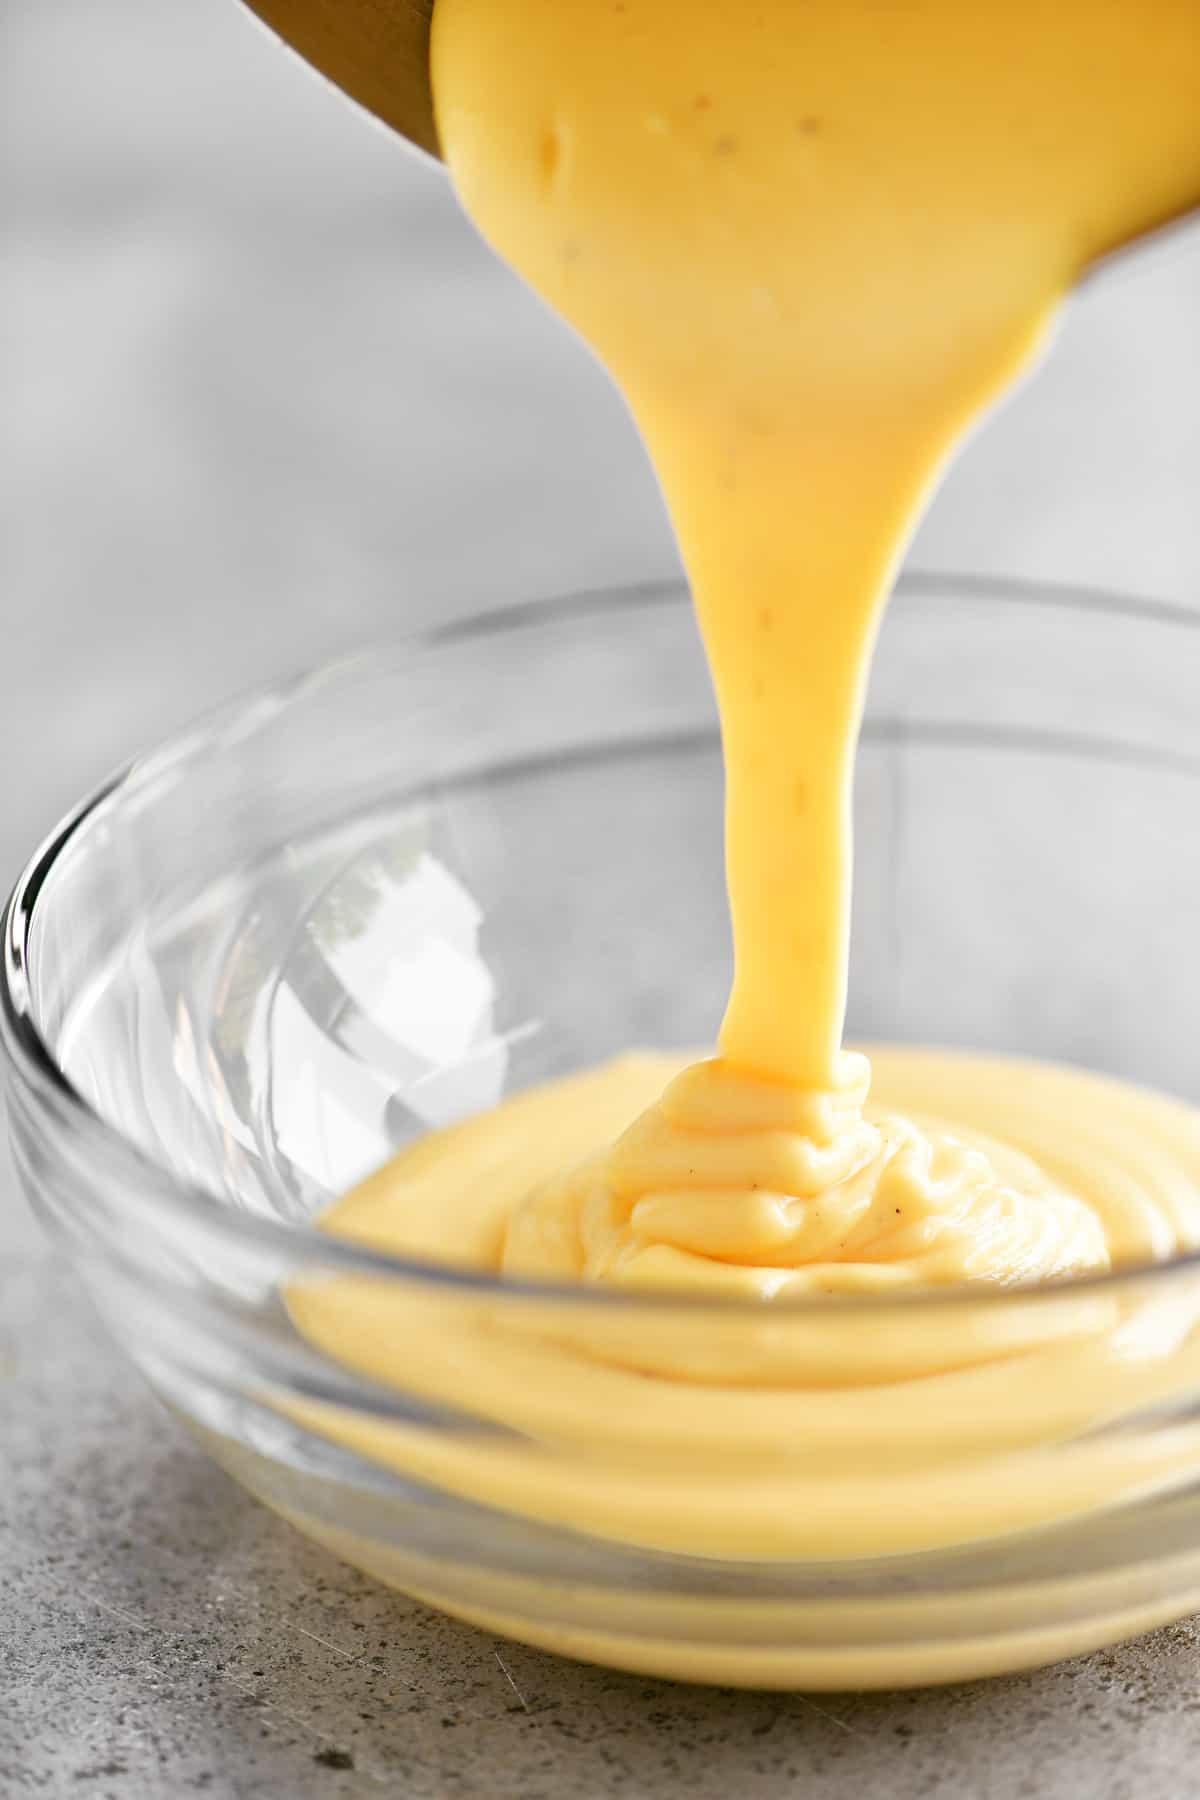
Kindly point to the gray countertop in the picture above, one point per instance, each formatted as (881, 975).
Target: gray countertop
(264, 395)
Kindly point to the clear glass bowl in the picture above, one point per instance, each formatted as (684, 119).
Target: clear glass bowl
(371, 901)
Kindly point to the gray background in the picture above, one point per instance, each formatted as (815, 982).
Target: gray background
(263, 394)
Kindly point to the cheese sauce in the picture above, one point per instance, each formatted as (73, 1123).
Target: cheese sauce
(812, 240)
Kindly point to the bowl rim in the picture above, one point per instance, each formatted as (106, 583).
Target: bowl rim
(28, 1061)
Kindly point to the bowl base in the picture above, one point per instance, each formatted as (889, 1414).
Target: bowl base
(923, 1638)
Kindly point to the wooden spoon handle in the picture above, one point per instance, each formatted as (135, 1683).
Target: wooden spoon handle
(377, 51)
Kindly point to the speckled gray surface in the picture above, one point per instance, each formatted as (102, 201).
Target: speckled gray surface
(263, 395)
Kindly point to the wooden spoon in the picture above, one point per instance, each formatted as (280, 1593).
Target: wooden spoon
(377, 51)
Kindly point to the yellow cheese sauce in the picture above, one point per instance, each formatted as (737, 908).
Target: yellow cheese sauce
(799, 1437)
(812, 240)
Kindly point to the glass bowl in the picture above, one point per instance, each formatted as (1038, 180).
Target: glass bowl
(369, 902)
